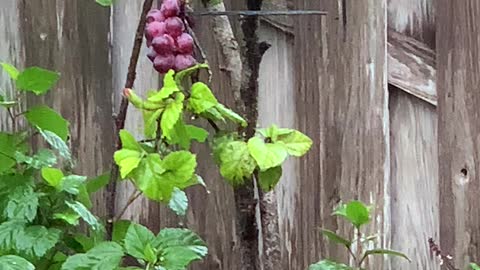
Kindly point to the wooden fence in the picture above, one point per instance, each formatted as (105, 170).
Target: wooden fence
(361, 82)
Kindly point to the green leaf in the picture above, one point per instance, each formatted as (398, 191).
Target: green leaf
(137, 239)
(22, 203)
(105, 256)
(53, 177)
(151, 123)
(37, 80)
(384, 252)
(9, 233)
(7, 152)
(56, 143)
(36, 241)
(181, 75)
(332, 236)
(129, 157)
(68, 216)
(12, 262)
(97, 183)
(179, 202)
(169, 87)
(72, 183)
(357, 213)
(120, 229)
(267, 155)
(236, 164)
(11, 70)
(128, 141)
(296, 143)
(269, 179)
(179, 247)
(273, 132)
(170, 116)
(85, 214)
(474, 266)
(329, 265)
(341, 210)
(48, 119)
(184, 134)
(105, 3)
(44, 158)
(231, 115)
(201, 98)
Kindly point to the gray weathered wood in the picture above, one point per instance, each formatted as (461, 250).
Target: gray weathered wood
(458, 65)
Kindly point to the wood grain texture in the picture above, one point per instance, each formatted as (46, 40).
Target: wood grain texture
(458, 66)
(72, 37)
(340, 79)
(411, 66)
(414, 180)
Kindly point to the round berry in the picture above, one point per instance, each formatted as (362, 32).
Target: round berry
(163, 44)
(170, 8)
(184, 61)
(185, 44)
(154, 29)
(155, 15)
(163, 63)
(151, 54)
(174, 26)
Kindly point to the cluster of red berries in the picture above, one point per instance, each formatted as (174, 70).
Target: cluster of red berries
(170, 47)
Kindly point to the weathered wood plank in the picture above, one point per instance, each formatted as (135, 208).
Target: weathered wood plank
(414, 185)
(342, 103)
(458, 66)
(411, 66)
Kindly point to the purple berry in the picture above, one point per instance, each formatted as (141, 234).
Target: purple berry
(155, 15)
(163, 44)
(154, 29)
(185, 44)
(170, 8)
(151, 54)
(163, 63)
(174, 26)
(184, 61)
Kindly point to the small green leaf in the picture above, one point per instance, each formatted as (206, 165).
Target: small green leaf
(120, 229)
(105, 3)
(332, 236)
(85, 214)
(37, 80)
(137, 239)
(236, 163)
(97, 183)
(71, 184)
(53, 177)
(179, 202)
(341, 210)
(169, 87)
(201, 98)
(68, 216)
(151, 123)
(231, 115)
(37, 240)
(104, 256)
(184, 134)
(48, 119)
(267, 155)
(170, 116)
(273, 132)
(268, 179)
(56, 143)
(128, 141)
(357, 213)
(22, 203)
(12, 262)
(385, 252)
(329, 265)
(129, 157)
(44, 158)
(474, 266)
(150, 254)
(296, 143)
(181, 75)
(11, 70)
(7, 152)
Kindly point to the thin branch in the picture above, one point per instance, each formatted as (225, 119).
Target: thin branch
(13, 118)
(122, 113)
(134, 196)
(254, 13)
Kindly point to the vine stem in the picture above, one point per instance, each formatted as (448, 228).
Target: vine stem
(13, 118)
(122, 114)
(133, 197)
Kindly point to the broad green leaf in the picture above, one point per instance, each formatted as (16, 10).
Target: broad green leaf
(267, 155)
(296, 143)
(183, 134)
(357, 213)
(44, 158)
(231, 115)
(37, 80)
(385, 252)
(474, 266)
(137, 239)
(12, 262)
(71, 184)
(128, 141)
(36, 241)
(179, 247)
(127, 160)
(179, 169)
(151, 123)
(86, 242)
(9, 233)
(85, 214)
(169, 87)
(332, 236)
(236, 163)
(83, 197)
(181, 75)
(105, 3)
(179, 202)
(97, 183)
(68, 216)
(268, 179)
(53, 177)
(104, 256)
(7, 152)
(329, 265)
(11, 70)
(57, 143)
(201, 98)
(22, 203)
(274, 131)
(170, 116)
(120, 229)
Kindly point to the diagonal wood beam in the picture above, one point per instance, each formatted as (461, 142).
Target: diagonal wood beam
(411, 66)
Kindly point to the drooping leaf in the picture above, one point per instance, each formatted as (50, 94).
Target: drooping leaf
(329, 265)
(296, 143)
(43, 158)
(151, 123)
(231, 115)
(385, 252)
(104, 256)
(332, 236)
(236, 163)
(184, 134)
(22, 203)
(357, 213)
(56, 143)
(268, 179)
(169, 87)
(171, 114)
(179, 247)
(97, 183)
(201, 98)
(37, 80)
(120, 229)
(182, 75)
(36, 241)
(267, 155)
(85, 214)
(105, 3)
(137, 239)
(11, 70)
(53, 177)
(9, 233)
(13, 262)
(179, 202)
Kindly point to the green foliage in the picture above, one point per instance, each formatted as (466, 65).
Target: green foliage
(104, 256)
(329, 265)
(268, 179)
(45, 118)
(11, 70)
(105, 3)
(36, 80)
(12, 262)
(179, 202)
(332, 236)
(36, 241)
(236, 163)
(474, 266)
